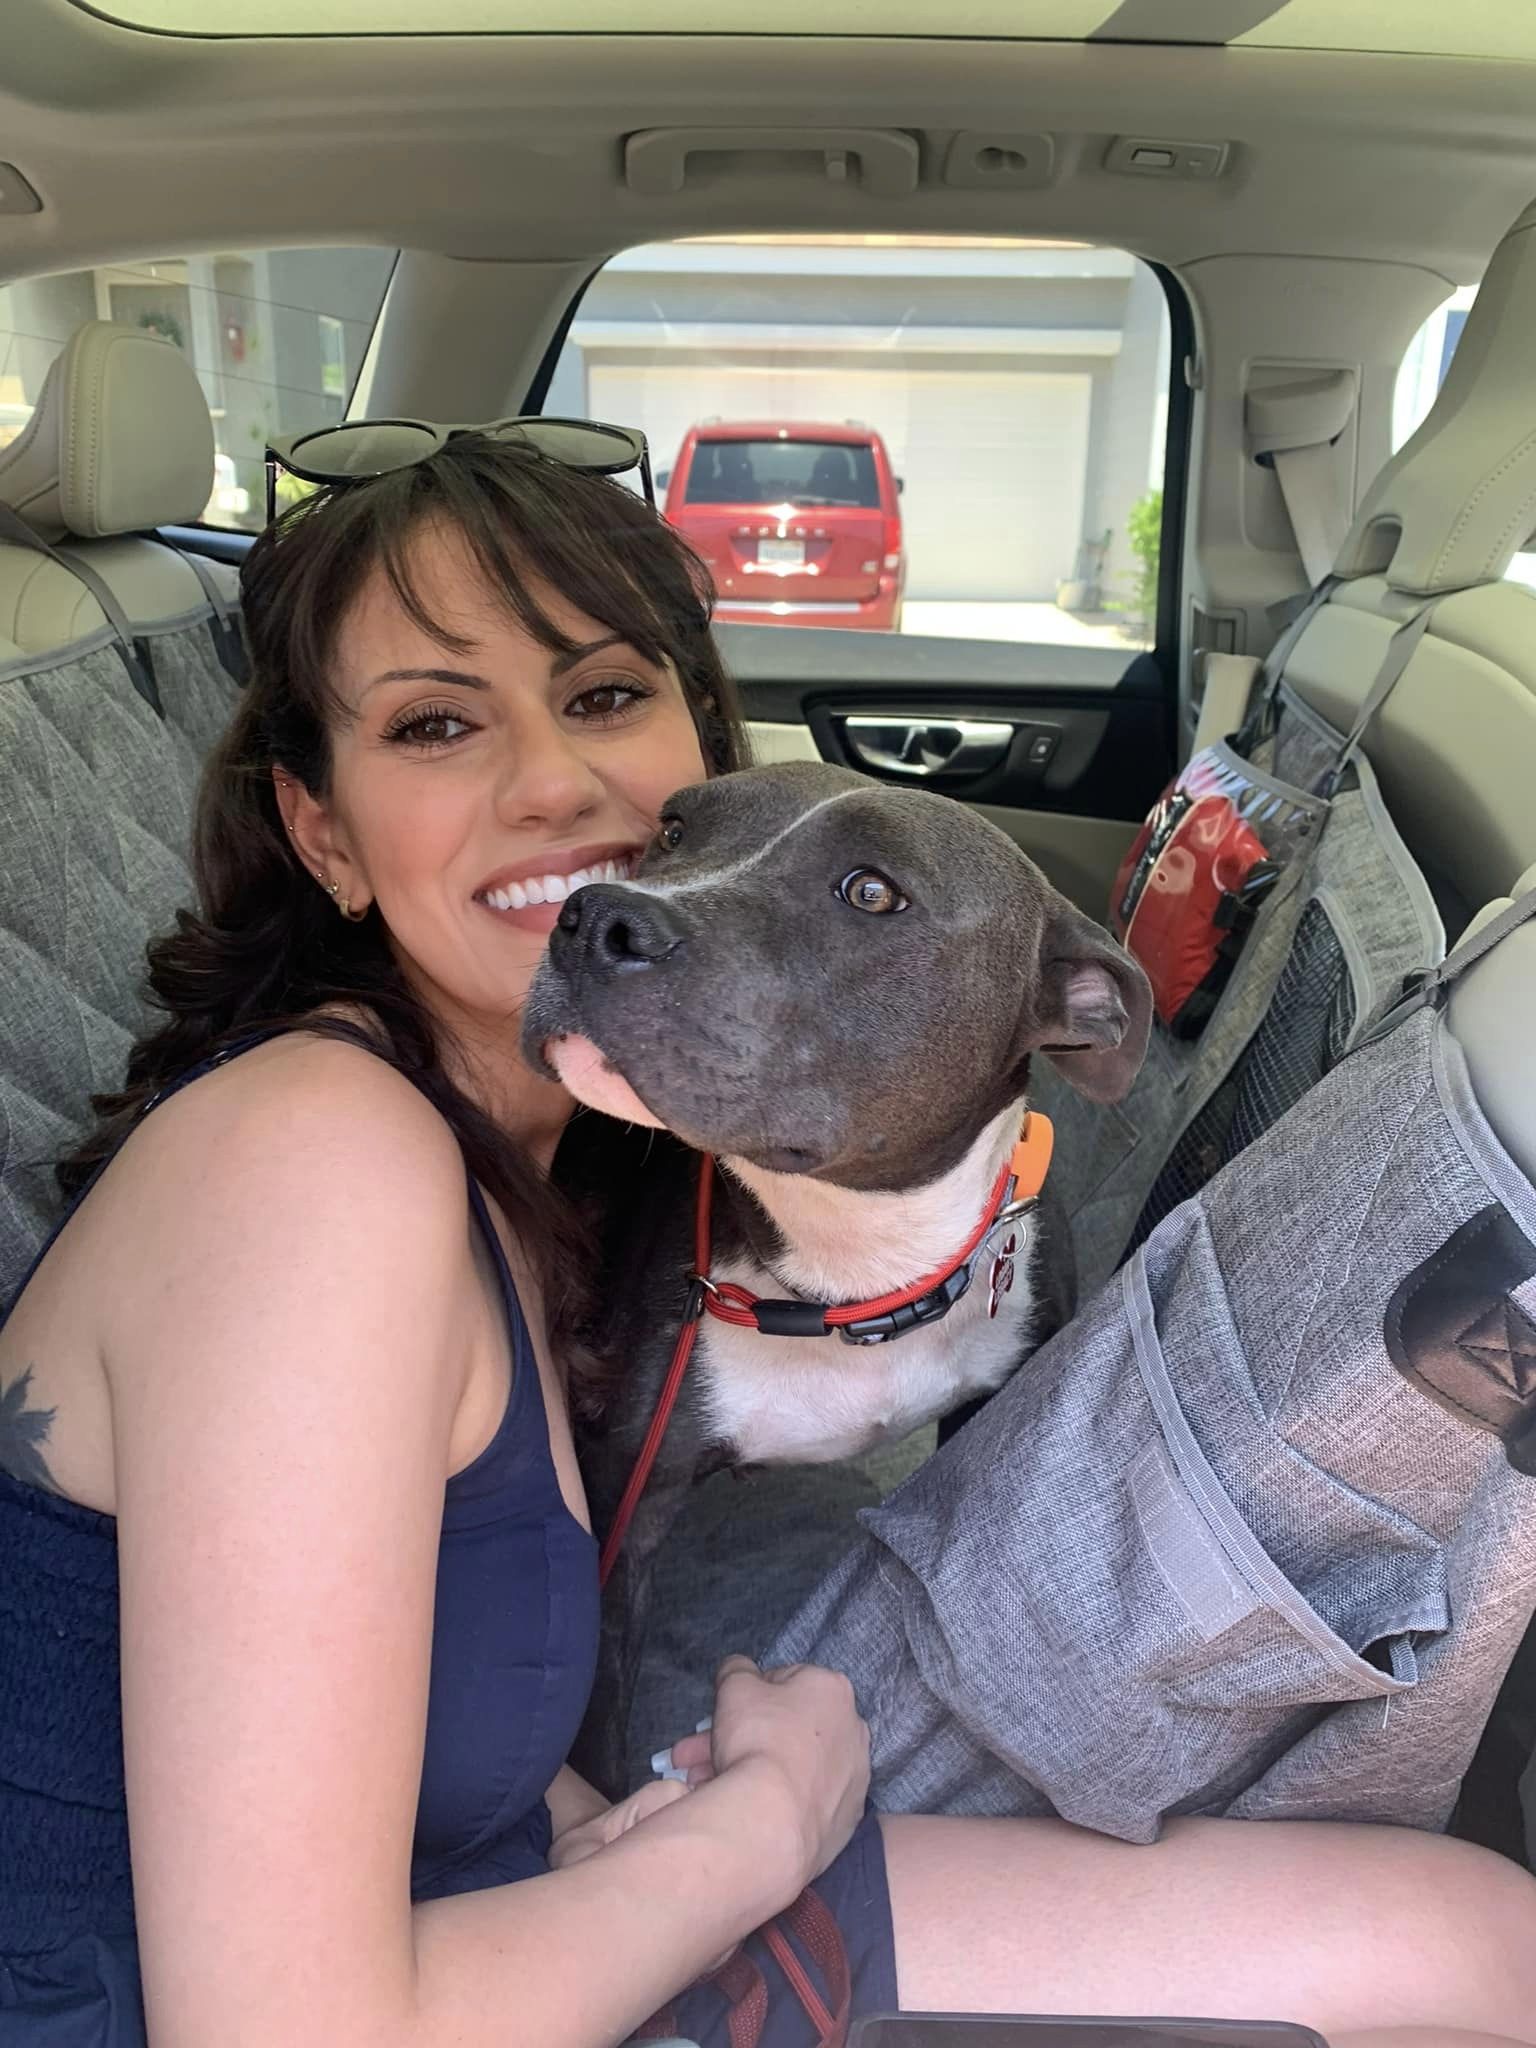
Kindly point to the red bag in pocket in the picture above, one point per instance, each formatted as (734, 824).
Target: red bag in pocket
(1184, 893)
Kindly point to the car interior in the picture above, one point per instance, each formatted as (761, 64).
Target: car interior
(1308, 229)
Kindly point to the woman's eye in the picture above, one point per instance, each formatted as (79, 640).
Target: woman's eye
(432, 727)
(607, 701)
(867, 889)
(670, 833)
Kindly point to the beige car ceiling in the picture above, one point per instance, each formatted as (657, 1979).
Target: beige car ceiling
(511, 144)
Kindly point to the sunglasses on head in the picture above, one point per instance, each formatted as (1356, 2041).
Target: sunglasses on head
(359, 450)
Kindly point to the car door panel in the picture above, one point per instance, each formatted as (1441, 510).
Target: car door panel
(1063, 748)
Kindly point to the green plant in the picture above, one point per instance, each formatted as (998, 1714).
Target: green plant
(157, 321)
(1144, 531)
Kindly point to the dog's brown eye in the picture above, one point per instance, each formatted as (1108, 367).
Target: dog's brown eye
(868, 889)
(670, 833)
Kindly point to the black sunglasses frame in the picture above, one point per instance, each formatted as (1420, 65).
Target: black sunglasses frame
(282, 453)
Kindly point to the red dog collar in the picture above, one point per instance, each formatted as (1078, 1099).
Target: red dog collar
(928, 1300)
(1016, 1189)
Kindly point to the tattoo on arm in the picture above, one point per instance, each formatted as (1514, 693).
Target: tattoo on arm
(23, 1433)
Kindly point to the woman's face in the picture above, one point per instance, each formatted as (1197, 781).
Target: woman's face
(471, 792)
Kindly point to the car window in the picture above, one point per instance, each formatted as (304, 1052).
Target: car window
(1419, 378)
(277, 337)
(962, 437)
(798, 472)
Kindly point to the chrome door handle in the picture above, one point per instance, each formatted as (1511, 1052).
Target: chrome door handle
(928, 746)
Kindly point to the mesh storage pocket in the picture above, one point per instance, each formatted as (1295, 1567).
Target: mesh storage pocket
(1302, 1037)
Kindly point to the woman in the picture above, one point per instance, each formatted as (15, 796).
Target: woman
(288, 1425)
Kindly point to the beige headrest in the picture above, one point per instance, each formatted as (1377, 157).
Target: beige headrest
(120, 439)
(1458, 501)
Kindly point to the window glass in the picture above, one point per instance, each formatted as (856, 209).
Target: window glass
(799, 470)
(276, 336)
(1418, 382)
(895, 433)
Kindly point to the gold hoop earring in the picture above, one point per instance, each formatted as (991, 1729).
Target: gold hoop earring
(352, 916)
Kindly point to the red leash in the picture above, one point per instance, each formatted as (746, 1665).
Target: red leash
(672, 1385)
(926, 1300)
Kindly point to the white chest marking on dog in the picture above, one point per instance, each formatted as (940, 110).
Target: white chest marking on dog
(812, 1400)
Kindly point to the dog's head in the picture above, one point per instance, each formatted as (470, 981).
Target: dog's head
(820, 974)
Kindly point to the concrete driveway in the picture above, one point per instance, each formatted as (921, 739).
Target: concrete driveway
(1043, 625)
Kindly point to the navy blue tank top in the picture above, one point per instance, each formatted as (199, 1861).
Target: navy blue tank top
(513, 1650)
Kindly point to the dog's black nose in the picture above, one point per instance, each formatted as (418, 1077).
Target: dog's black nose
(617, 928)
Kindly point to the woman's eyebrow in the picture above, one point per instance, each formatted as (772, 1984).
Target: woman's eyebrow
(562, 662)
(465, 677)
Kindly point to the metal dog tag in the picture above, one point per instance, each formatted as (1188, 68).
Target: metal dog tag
(1002, 1272)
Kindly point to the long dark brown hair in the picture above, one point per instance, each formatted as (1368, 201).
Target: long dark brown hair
(265, 949)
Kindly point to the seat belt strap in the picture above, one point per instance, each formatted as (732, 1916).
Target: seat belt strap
(134, 650)
(1228, 682)
(1319, 519)
(1293, 426)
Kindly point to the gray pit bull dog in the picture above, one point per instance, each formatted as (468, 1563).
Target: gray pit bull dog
(836, 988)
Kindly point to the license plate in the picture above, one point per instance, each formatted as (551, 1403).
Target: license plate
(781, 554)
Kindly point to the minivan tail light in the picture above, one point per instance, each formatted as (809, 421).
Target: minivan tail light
(892, 541)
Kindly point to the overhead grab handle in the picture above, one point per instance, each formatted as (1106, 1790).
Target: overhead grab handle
(880, 161)
(1293, 427)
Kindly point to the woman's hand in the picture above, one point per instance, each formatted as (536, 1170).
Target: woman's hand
(588, 1836)
(793, 1742)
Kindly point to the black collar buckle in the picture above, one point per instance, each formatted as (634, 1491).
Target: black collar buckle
(929, 1308)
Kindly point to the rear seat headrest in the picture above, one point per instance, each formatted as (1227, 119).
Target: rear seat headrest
(120, 439)
(1458, 501)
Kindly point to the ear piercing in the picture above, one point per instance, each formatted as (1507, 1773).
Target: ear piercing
(343, 903)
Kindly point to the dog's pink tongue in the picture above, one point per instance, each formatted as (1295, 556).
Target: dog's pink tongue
(590, 1078)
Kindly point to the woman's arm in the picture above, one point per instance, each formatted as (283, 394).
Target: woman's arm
(290, 1328)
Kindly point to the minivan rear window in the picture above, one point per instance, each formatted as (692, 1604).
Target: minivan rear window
(783, 473)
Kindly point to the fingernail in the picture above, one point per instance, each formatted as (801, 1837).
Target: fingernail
(703, 1727)
(661, 1762)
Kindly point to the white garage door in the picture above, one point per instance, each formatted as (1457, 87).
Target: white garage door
(993, 460)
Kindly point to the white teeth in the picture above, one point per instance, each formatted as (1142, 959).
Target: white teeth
(509, 898)
(555, 888)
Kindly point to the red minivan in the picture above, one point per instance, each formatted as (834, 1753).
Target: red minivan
(798, 521)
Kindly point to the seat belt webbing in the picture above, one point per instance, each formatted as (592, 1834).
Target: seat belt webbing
(1318, 517)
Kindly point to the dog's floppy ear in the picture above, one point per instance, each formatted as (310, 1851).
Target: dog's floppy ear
(1091, 1006)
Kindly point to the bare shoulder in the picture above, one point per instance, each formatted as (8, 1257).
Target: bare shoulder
(300, 1143)
(298, 1105)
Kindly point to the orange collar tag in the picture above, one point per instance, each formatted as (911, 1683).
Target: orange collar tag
(1031, 1160)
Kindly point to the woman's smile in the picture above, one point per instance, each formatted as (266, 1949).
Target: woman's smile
(529, 894)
